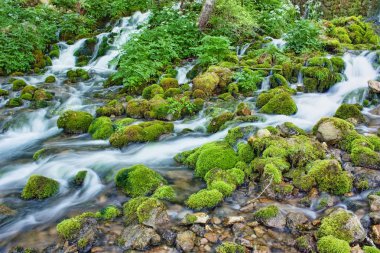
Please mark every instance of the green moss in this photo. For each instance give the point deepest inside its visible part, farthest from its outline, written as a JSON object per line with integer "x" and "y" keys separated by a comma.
{"x": 144, "y": 210}
{"x": 18, "y": 84}
{"x": 206, "y": 82}
{"x": 271, "y": 171}
{"x": 337, "y": 64}
{"x": 334, "y": 225}
{"x": 230, "y": 247}
{"x": 68, "y": 228}
{"x": 50, "y": 79}
{"x": 267, "y": 212}
{"x": 38, "y": 153}
{"x": 330, "y": 244}
{"x": 80, "y": 177}
{"x": 29, "y": 89}
{"x": 3, "y": 93}
{"x": 204, "y": 199}
{"x": 347, "y": 111}
{"x": 362, "y": 185}
{"x": 164, "y": 192}
{"x": 108, "y": 213}
{"x": 223, "y": 187}
{"x": 330, "y": 177}
{"x": 138, "y": 180}
{"x": 39, "y": 187}
{"x": 199, "y": 94}
{"x": 77, "y": 75}
{"x": 143, "y": 132}
{"x": 364, "y": 156}
{"x": 130, "y": 208}
{"x": 369, "y": 249}
{"x": 14, "y": 102}
{"x": 280, "y": 104}
{"x": 152, "y": 90}
{"x": 302, "y": 243}
{"x": 172, "y": 92}
{"x": 42, "y": 95}
{"x": 27, "y": 96}
{"x": 167, "y": 83}
{"x": 83, "y": 242}
{"x": 137, "y": 108}
{"x": 101, "y": 128}
{"x": 375, "y": 141}
{"x": 277, "y": 80}
{"x": 245, "y": 152}
{"x": 114, "y": 108}
{"x": 190, "y": 219}
{"x": 293, "y": 129}
{"x": 218, "y": 121}
{"x": 75, "y": 121}
{"x": 121, "y": 123}
{"x": 54, "y": 53}
{"x": 343, "y": 126}
{"x": 234, "y": 134}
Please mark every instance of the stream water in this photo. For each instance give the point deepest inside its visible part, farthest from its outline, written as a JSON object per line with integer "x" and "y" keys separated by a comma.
{"x": 25, "y": 131}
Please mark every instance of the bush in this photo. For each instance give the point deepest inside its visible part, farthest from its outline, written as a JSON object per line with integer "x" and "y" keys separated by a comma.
{"x": 213, "y": 50}
{"x": 303, "y": 37}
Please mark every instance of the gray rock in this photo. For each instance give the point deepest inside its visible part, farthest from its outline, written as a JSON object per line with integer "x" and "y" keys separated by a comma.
{"x": 374, "y": 203}
{"x": 139, "y": 237}
{"x": 186, "y": 240}
{"x": 296, "y": 221}
{"x": 157, "y": 216}
{"x": 276, "y": 222}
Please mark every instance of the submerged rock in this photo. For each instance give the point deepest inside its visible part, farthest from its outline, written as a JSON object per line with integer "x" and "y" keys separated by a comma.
{"x": 186, "y": 240}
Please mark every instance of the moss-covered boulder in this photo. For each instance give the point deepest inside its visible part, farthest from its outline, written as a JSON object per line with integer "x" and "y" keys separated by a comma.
{"x": 277, "y": 80}
{"x": 14, "y": 102}
{"x": 42, "y": 95}
{"x": 77, "y": 75}
{"x": 138, "y": 180}
{"x": 218, "y": 121}
{"x": 80, "y": 177}
{"x": 3, "y": 93}
{"x": 330, "y": 244}
{"x": 18, "y": 84}
{"x": 277, "y": 101}
{"x": 112, "y": 108}
{"x": 167, "y": 83}
{"x": 75, "y": 122}
{"x": 206, "y": 82}
{"x": 224, "y": 74}
{"x": 365, "y": 157}
{"x": 164, "y": 192}
{"x": 209, "y": 156}
{"x": 50, "y": 79}
{"x": 136, "y": 108}
{"x": 332, "y": 130}
{"x": 143, "y": 132}
{"x": 152, "y": 90}
{"x": 101, "y": 128}
{"x": 204, "y": 199}
{"x": 230, "y": 247}
{"x": 270, "y": 216}
{"x": 350, "y": 112}
{"x": 39, "y": 187}
{"x": 343, "y": 225}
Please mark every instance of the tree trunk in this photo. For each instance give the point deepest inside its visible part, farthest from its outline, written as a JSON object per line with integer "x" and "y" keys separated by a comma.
{"x": 206, "y": 13}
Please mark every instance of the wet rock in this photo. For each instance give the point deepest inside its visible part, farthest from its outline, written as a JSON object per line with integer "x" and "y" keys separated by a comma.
{"x": 211, "y": 237}
{"x": 6, "y": 211}
{"x": 233, "y": 219}
{"x": 139, "y": 237}
{"x": 242, "y": 230}
{"x": 157, "y": 216}
{"x": 369, "y": 175}
{"x": 296, "y": 221}
{"x": 186, "y": 240}
{"x": 263, "y": 133}
{"x": 374, "y": 217}
{"x": 376, "y": 234}
{"x": 374, "y": 86}
{"x": 168, "y": 236}
{"x": 374, "y": 203}
{"x": 162, "y": 249}
{"x": 261, "y": 249}
{"x": 196, "y": 218}
{"x": 216, "y": 220}
{"x": 198, "y": 230}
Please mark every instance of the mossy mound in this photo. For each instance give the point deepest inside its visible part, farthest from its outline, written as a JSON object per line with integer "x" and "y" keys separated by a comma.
{"x": 110, "y": 212}
{"x": 209, "y": 156}
{"x": 152, "y": 90}
{"x": 350, "y": 112}
{"x": 218, "y": 121}
{"x": 138, "y": 180}
{"x": 39, "y": 187}
{"x": 332, "y": 130}
{"x": 142, "y": 209}
{"x": 80, "y": 177}
{"x": 75, "y": 122}
{"x": 14, "y": 102}
{"x": 204, "y": 199}
{"x": 342, "y": 225}
{"x": 69, "y": 228}
{"x": 277, "y": 101}
{"x": 164, "y": 192}
{"x": 18, "y": 84}
{"x": 113, "y": 108}
{"x": 50, "y": 79}
{"x": 77, "y": 75}
{"x": 206, "y": 82}
{"x": 267, "y": 212}
{"x": 143, "y": 132}
{"x": 230, "y": 247}
{"x": 101, "y": 128}
{"x": 277, "y": 80}
{"x": 330, "y": 244}
{"x": 3, "y": 93}
{"x": 137, "y": 108}
{"x": 167, "y": 83}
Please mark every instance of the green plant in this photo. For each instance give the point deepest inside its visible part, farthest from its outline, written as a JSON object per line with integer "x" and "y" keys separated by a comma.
{"x": 303, "y": 37}
{"x": 213, "y": 50}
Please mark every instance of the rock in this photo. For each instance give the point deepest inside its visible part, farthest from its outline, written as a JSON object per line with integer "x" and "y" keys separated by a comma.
{"x": 332, "y": 130}
{"x": 295, "y": 221}
{"x": 241, "y": 230}
{"x": 374, "y": 86}
{"x": 374, "y": 217}
{"x": 263, "y": 133}
{"x": 216, "y": 220}
{"x": 211, "y": 237}
{"x": 198, "y": 230}
{"x": 376, "y": 234}
{"x": 168, "y": 236}
{"x": 196, "y": 218}
{"x": 374, "y": 203}
{"x": 233, "y": 219}
{"x": 204, "y": 241}
{"x": 6, "y": 211}
{"x": 139, "y": 237}
{"x": 375, "y": 111}
{"x": 157, "y": 216}
{"x": 186, "y": 240}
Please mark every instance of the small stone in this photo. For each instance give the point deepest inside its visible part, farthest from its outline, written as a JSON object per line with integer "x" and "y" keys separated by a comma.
{"x": 259, "y": 231}
{"x": 212, "y": 237}
{"x": 207, "y": 248}
{"x": 139, "y": 237}
{"x": 374, "y": 203}
{"x": 204, "y": 241}
{"x": 186, "y": 240}
{"x": 356, "y": 249}
{"x": 233, "y": 219}
{"x": 295, "y": 221}
{"x": 216, "y": 220}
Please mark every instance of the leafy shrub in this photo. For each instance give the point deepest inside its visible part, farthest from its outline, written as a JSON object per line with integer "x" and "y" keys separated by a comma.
{"x": 213, "y": 50}
{"x": 303, "y": 37}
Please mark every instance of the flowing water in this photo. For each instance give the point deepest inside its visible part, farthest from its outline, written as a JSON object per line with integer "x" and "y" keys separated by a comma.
{"x": 26, "y": 131}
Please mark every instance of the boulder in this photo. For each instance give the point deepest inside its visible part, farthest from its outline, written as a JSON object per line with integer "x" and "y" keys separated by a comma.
{"x": 186, "y": 240}
{"x": 332, "y": 130}
{"x": 139, "y": 237}
{"x": 295, "y": 221}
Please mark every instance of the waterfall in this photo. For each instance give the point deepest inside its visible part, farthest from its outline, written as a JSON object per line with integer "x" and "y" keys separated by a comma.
{"x": 67, "y": 58}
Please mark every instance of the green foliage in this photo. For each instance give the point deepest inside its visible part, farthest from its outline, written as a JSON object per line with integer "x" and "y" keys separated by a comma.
{"x": 330, "y": 244}
{"x": 171, "y": 35}
{"x": 39, "y": 187}
{"x": 213, "y": 50}
{"x": 138, "y": 180}
{"x": 180, "y": 106}
{"x": 369, "y": 249}
{"x": 303, "y": 37}
{"x": 248, "y": 80}
{"x": 204, "y": 199}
